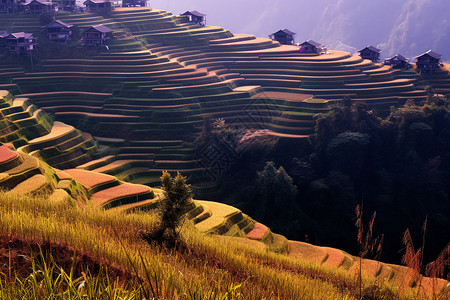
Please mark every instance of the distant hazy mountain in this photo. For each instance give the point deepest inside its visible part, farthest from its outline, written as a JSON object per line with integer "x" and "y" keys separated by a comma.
{"x": 409, "y": 27}
{"x": 396, "y": 26}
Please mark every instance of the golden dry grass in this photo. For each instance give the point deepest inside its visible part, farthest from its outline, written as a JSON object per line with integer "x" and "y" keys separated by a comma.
{"x": 223, "y": 261}
{"x": 60, "y": 196}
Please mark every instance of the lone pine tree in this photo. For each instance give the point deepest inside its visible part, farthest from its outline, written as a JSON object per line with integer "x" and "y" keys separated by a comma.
{"x": 177, "y": 195}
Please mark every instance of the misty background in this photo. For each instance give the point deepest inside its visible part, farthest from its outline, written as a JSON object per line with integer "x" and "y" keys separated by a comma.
{"x": 408, "y": 27}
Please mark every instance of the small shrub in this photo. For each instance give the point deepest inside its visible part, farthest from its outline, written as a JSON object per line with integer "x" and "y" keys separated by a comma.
{"x": 177, "y": 195}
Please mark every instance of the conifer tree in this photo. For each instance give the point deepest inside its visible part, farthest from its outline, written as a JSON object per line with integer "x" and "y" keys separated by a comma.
{"x": 177, "y": 195}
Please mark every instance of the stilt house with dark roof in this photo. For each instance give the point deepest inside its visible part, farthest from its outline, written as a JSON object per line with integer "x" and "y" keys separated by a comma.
{"x": 98, "y": 5}
{"x": 428, "y": 62}
{"x": 370, "y": 52}
{"x": 310, "y": 46}
{"x": 283, "y": 36}
{"x": 39, "y": 7}
{"x": 195, "y": 17}
{"x": 58, "y": 31}
{"x": 21, "y": 43}
{"x": 398, "y": 62}
{"x": 97, "y": 35}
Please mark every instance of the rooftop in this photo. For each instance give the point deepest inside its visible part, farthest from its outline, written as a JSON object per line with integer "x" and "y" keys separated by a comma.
{"x": 311, "y": 42}
{"x": 4, "y": 34}
{"x": 57, "y": 23}
{"x": 194, "y": 13}
{"x": 371, "y": 48}
{"x": 39, "y": 1}
{"x": 19, "y": 35}
{"x": 101, "y": 28}
{"x": 399, "y": 57}
{"x": 431, "y": 53}
{"x": 286, "y": 31}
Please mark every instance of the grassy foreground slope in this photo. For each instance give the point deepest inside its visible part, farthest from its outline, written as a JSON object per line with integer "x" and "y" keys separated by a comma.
{"x": 27, "y": 175}
{"x": 63, "y": 210}
{"x": 145, "y": 100}
{"x": 204, "y": 266}
{"x": 62, "y": 146}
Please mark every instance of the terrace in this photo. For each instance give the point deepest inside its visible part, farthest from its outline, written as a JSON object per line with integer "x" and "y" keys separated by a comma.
{"x": 162, "y": 76}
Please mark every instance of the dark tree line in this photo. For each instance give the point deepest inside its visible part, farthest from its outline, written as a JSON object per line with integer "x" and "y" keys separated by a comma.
{"x": 398, "y": 166}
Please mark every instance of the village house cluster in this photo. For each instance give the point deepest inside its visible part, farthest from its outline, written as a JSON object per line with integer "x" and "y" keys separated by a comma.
{"x": 49, "y": 6}
{"x": 56, "y": 32}
{"x": 60, "y": 32}
{"x": 425, "y": 63}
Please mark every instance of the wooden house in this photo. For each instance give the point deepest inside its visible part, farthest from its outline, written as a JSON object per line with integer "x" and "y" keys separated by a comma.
{"x": 97, "y": 35}
{"x": 283, "y": 36}
{"x": 371, "y": 53}
{"x": 58, "y": 31}
{"x": 428, "y": 62}
{"x": 98, "y": 5}
{"x": 398, "y": 62}
{"x": 310, "y": 46}
{"x": 21, "y": 43}
{"x": 39, "y": 7}
{"x": 195, "y": 17}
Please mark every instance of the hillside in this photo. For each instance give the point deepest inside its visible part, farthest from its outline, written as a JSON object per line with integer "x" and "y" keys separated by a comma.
{"x": 42, "y": 203}
{"x": 86, "y": 134}
{"x": 23, "y": 172}
{"x": 147, "y": 96}
{"x": 54, "y": 241}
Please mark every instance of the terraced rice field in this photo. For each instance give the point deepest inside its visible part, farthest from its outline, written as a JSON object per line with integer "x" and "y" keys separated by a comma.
{"x": 32, "y": 177}
{"x": 90, "y": 179}
{"x": 393, "y": 275}
{"x": 145, "y": 99}
{"x": 24, "y": 174}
